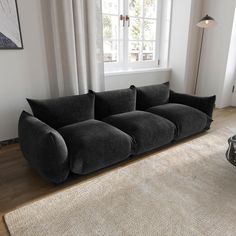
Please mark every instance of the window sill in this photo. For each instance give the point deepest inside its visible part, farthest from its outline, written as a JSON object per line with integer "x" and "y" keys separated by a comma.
{"x": 137, "y": 71}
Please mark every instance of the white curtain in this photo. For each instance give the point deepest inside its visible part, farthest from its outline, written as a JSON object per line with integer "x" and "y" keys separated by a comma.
{"x": 78, "y": 45}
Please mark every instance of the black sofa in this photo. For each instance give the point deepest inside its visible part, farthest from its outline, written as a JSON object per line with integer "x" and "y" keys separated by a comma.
{"x": 84, "y": 133}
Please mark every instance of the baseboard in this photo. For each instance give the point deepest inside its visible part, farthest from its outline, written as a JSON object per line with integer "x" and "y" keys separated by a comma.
{"x": 8, "y": 142}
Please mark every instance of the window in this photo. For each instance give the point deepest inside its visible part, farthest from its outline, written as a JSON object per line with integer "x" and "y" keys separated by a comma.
{"x": 135, "y": 33}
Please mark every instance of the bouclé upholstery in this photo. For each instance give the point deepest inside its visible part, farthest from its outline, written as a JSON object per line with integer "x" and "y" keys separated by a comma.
{"x": 114, "y": 102}
{"x": 63, "y": 111}
{"x": 183, "y": 117}
{"x": 147, "y": 130}
{"x": 44, "y": 148}
{"x": 204, "y": 104}
{"x": 153, "y": 95}
{"x": 93, "y": 145}
{"x": 84, "y": 133}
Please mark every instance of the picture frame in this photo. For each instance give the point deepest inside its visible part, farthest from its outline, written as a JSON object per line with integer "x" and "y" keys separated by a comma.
{"x": 10, "y": 28}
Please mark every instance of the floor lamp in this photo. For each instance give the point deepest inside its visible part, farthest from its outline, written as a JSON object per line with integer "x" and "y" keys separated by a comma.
{"x": 204, "y": 23}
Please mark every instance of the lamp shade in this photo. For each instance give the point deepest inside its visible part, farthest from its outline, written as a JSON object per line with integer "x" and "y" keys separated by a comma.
{"x": 206, "y": 22}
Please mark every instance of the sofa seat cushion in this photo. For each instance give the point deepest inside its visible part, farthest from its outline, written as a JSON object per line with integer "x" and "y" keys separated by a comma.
{"x": 188, "y": 120}
{"x": 147, "y": 130}
{"x": 93, "y": 145}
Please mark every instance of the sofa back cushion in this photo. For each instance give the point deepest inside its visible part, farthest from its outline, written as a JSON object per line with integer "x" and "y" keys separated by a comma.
{"x": 63, "y": 111}
{"x": 114, "y": 102}
{"x": 153, "y": 95}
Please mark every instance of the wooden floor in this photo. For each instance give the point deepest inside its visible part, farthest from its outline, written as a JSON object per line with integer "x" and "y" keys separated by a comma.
{"x": 19, "y": 184}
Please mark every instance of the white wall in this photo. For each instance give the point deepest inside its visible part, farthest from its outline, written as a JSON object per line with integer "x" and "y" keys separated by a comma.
{"x": 218, "y": 68}
{"x": 184, "y": 44}
{"x": 125, "y": 79}
{"x": 193, "y": 50}
{"x": 216, "y": 49}
{"x": 230, "y": 74}
{"x": 23, "y": 72}
{"x": 181, "y": 12}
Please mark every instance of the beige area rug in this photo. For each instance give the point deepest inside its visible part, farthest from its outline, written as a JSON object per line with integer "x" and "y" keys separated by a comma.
{"x": 186, "y": 190}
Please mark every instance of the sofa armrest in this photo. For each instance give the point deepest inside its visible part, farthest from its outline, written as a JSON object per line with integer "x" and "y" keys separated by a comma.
{"x": 204, "y": 104}
{"x": 44, "y": 148}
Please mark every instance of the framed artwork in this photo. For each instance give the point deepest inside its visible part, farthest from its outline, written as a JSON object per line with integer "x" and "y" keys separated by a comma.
{"x": 10, "y": 31}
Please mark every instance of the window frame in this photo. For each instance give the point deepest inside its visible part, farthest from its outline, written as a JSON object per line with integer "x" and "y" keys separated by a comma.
{"x": 123, "y": 63}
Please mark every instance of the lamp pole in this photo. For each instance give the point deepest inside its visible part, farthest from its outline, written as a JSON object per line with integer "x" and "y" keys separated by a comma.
{"x": 199, "y": 61}
{"x": 205, "y": 22}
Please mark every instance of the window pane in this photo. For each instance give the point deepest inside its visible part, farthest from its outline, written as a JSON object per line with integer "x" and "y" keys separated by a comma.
{"x": 134, "y": 51}
{"x": 135, "y": 8}
{"x": 135, "y": 29}
{"x": 110, "y": 6}
{"x": 149, "y": 29}
{"x": 110, "y": 27}
{"x": 148, "y": 51}
{"x": 150, "y": 8}
{"x": 110, "y": 51}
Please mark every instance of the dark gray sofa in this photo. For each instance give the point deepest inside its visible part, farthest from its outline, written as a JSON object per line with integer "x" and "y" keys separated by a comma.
{"x": 84, "y": 133}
